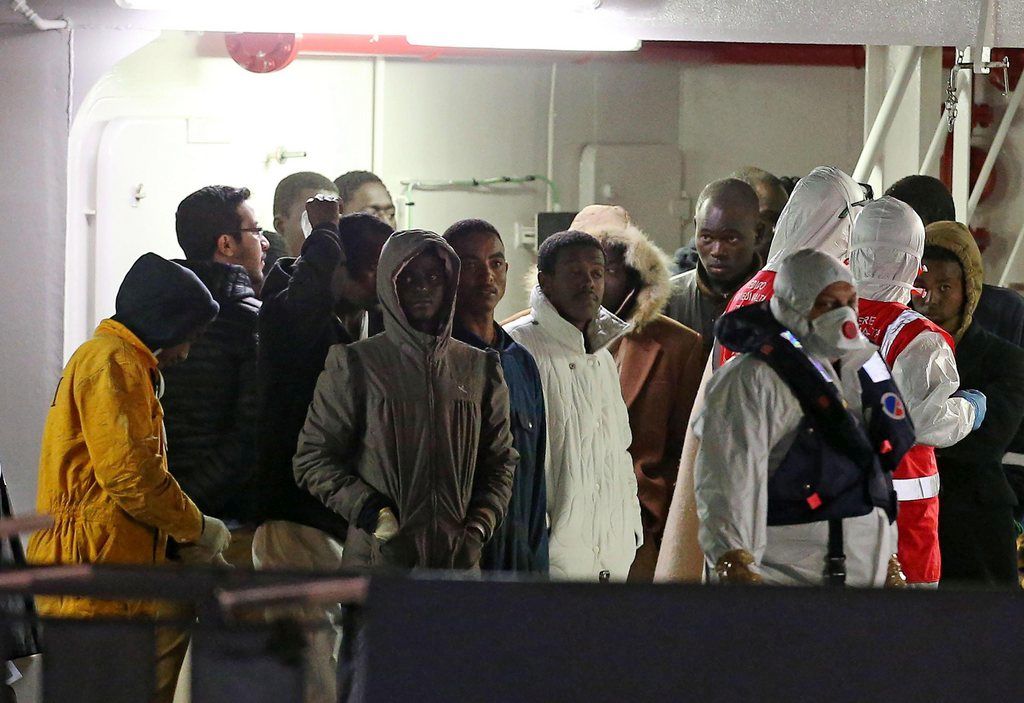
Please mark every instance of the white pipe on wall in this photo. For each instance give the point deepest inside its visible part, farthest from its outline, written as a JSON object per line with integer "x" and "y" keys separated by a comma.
{"x": 377, "y": 118}
{"x": 886, "y": 113}
{"x": 993, "y": 152}
{"x": 43, "y": 25}
{"x": 551, "y": 136}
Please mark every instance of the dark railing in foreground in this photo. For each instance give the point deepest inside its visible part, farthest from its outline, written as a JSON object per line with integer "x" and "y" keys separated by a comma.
{"x": 432, "y": 638}
{"x": 236, "y": 653}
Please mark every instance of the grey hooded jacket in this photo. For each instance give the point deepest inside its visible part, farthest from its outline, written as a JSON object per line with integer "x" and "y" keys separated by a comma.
{"x": 411, "y": 421}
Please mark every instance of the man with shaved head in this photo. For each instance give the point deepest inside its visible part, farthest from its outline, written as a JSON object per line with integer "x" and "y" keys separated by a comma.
{"x": 290, "y": 198}
{"x": 728, "y": 230}
{"x": 771, "y": 196}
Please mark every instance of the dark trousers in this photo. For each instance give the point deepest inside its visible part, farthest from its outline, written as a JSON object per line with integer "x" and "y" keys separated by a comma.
{"x": 979, "y": 545}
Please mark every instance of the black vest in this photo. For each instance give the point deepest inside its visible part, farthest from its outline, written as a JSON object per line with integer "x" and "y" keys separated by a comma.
{"x": 840, "y": 464}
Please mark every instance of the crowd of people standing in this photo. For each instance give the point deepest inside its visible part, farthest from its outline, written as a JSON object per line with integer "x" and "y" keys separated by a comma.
{"x": 337, "y": 394}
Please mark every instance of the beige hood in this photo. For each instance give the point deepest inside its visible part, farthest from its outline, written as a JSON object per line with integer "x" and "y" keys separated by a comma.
{"x": 610, "y": 224}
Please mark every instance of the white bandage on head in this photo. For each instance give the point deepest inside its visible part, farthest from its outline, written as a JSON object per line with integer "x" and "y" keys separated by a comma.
{"x": 799, "y": 281}
{"x": 885, "y": 250}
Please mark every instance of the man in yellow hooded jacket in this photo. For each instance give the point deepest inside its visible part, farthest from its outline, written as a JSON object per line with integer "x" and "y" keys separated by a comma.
{"x": 103, "y": 468}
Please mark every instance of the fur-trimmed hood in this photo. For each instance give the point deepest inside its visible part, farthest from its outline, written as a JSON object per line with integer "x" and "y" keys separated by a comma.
{"x": 610, "y": 224}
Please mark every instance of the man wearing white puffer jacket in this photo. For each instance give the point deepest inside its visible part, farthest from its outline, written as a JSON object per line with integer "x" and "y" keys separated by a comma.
{"x": 593, "y": 508}
{"x": 885, "y": 259}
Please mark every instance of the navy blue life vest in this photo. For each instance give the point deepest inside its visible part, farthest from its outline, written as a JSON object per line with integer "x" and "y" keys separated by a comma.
{"x": 840, "y": 465}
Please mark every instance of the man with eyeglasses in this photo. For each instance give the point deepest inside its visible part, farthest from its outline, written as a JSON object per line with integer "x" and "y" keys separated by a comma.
{"x": 363, "y": 191}
{"x": 211, "y": 398}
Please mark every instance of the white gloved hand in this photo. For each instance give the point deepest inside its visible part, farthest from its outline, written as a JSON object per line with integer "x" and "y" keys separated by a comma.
{"x": 387, "y": 525}
{"x": 215, "y": 537}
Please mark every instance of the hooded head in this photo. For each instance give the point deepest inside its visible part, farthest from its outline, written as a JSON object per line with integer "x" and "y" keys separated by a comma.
{"x": 953, "y": 243}
{"x": 398, "y": 253}
{"x": 643, "y": 287}
{"x": 885, "y": 250}
{"x": 162, "y": 303}
{"x": 816, "y": 301}
{"x": 819, "y": 215}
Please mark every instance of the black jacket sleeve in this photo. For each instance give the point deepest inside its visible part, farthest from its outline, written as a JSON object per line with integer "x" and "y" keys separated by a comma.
{"x": 1004, "y": 391}
{"x": 972, "y": 468}
{"x": 308, "y": 304}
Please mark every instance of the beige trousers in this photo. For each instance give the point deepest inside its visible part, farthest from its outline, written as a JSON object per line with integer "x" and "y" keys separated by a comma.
{"x": 289, "y": 546}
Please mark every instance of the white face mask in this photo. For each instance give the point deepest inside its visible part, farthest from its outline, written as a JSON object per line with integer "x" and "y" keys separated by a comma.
{"x": 307, "y": 228}
{"x": 835, "y": 334}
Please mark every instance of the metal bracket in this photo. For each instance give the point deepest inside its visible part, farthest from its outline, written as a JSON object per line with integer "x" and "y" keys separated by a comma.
{"x": 138, "y": 194}
{"x": 963, "y": 63}
{"x": 280, "y": 155}
{"x": 985, "y": 36}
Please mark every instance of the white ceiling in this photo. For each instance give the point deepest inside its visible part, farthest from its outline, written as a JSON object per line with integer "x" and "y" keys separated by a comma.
{"x": 923, "y": 22}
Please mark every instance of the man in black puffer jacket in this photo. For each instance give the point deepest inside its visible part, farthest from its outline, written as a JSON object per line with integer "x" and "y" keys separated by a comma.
{"x": 211, "y": 402}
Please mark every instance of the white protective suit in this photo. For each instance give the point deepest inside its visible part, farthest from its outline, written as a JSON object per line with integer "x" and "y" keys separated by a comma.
{"x": 748, "y": 425}
{"x": 885, "y": 258}
{"x": 593, "y": 507}
{"x": 819, "y": 215}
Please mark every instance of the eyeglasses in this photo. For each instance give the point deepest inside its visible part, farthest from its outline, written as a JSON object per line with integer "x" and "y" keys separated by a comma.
{"x": 859, "y": 203}
{"x": 869, "y": 195}
{"x": 251, "y": 230}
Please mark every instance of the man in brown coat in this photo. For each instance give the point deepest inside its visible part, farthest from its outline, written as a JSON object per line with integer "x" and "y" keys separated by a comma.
{"x": 660, "y": 365}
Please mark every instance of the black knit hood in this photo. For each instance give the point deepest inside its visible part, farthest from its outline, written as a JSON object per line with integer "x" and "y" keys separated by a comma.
{"x": 162, "y": 303}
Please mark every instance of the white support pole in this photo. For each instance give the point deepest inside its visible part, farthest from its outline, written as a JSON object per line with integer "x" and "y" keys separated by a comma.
{"x": 886, "y": 113}
{"x": 879, "y": 62}
{"x": 1011, "y": 258}
{"x": 931, "y": 158}
{"x": 993, "y": 152}
{"x": 962, "y": 144}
